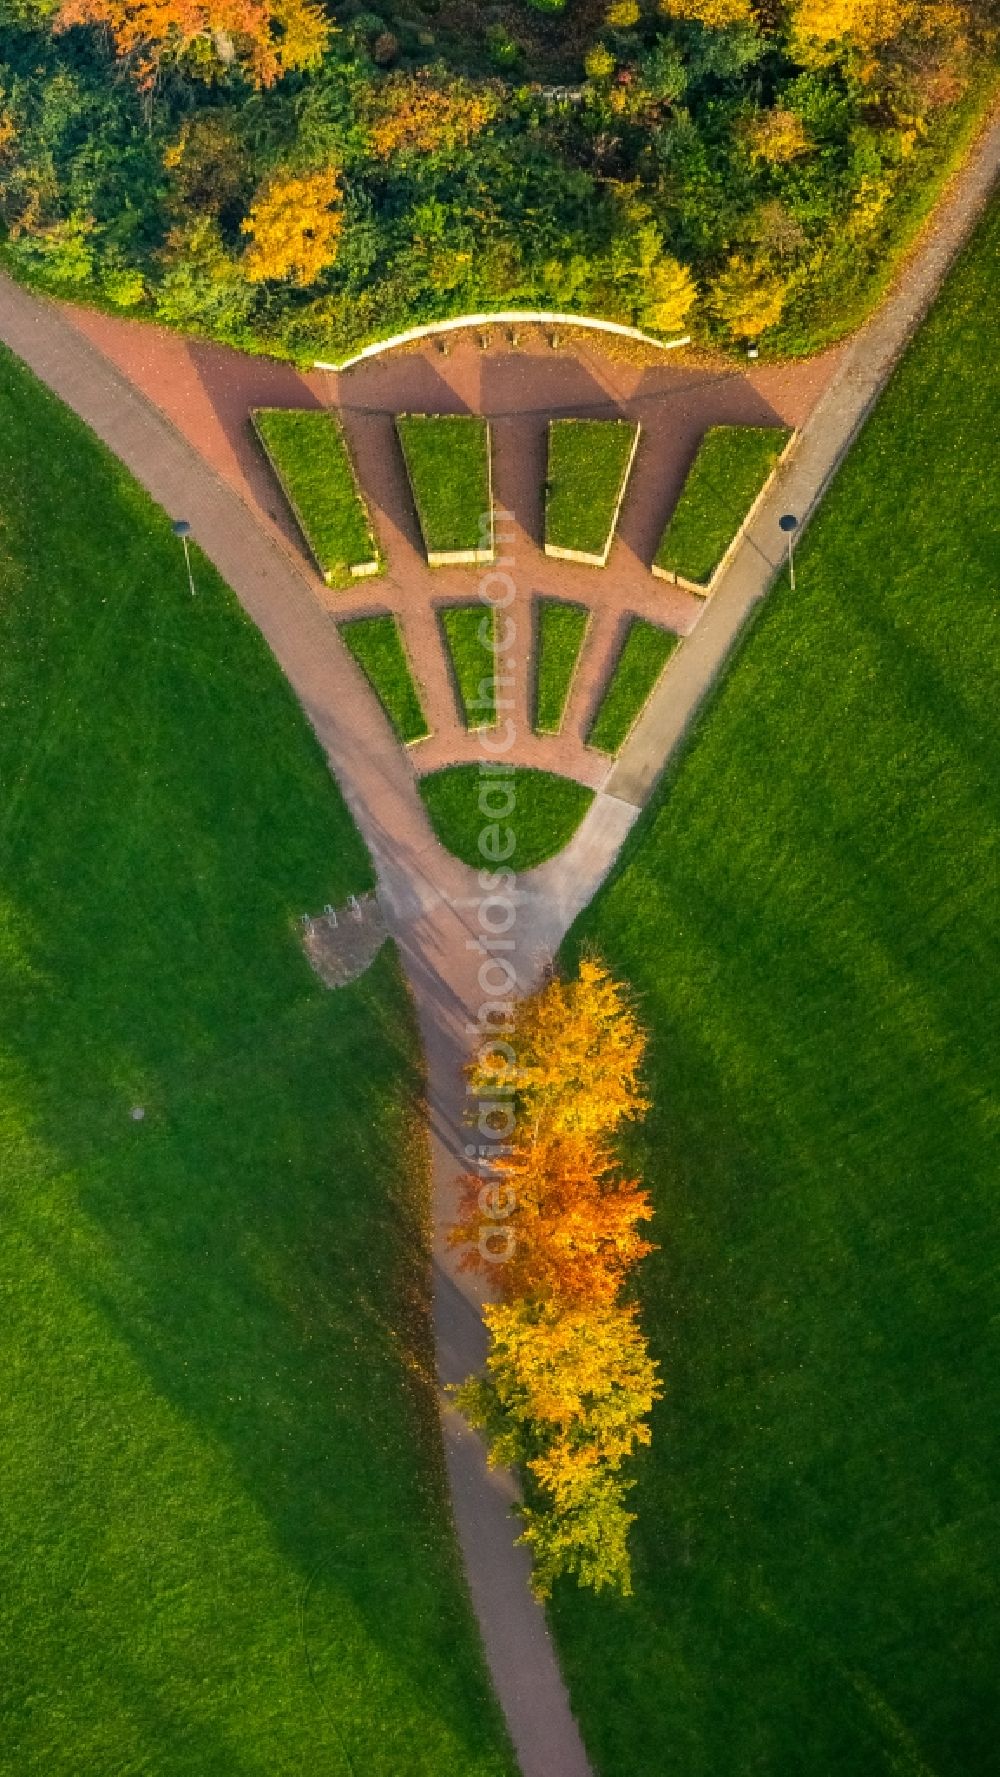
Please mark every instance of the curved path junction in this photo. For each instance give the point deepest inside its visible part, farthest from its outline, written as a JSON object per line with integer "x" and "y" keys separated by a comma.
{"x": 430, "y": 900}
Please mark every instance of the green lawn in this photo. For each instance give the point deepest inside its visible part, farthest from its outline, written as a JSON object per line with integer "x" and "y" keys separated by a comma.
{"x": 309, "y": 454}
{"x": 448, "y": 462}
{"x": 644, "y": 654}
{"x": 470, "y": 633}
{"x": 731, "y": 467}
{"x": 588, "y": 463}
{"x": 559, "y": 637}
{"x": 810, "y": 915}
{"x": 545, "y": 811}
{"x": 377, "y": 646}
{"x": 226, "y": 1548}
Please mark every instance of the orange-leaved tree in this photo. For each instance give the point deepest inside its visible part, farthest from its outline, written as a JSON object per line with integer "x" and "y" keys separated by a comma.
{"x": 573, "y": 1057}
{"x": 571, "y": 1221}
{"x": 263, "y": 38}
{"x": 566, "y": 1396}
{"x": 295, "y": 224}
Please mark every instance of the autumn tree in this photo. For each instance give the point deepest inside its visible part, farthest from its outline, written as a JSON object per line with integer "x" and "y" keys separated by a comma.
{"x": 566, "y": 1396}
{"x": 573, "y": 1057}
{"x": 569, "y": 1381}
{"x": 777, "y": 136}
{"x": 294, "y": 226}
{"x": 414, "y": 114}
{"x": 572, "y": 1220}
{"x": 263, "y": 38}
{"x": 748, "y": 298}
{"x": 717, "y": 14}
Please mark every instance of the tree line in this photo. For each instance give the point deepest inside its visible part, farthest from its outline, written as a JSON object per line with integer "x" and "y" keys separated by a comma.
{"x": 556, "y": 1223}
{"x": 266, "y": 172}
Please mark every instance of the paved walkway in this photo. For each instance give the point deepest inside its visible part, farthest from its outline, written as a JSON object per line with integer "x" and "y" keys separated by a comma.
{"x": 431, "y": 901}
{"x": 208, "y": 392}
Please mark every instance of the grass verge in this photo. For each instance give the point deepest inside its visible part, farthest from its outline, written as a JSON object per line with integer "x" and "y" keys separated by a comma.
{"x": 470, "y": 634}
{"x": 588, "y": 466}
{"x": 730, "y": 468}
{"x": 227, "y": 1546}
{"x": 448, "y": 463}
{"x": 308, "y": 453}
{"x": 809, "y": 917}
{"x": 558, "y": 641}
{"x": 536, "y": 813}
{"x": 377, "y": 645}
{"x": 645, "y": 652}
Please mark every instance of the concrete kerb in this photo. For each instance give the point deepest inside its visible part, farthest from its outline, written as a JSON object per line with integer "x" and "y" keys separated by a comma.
{"x": 501, "y": 318}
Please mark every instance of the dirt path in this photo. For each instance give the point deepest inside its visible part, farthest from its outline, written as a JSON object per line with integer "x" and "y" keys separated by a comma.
{"x": 431, "y": 902}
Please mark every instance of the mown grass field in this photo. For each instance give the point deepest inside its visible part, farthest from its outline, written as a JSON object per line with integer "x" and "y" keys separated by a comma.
{"x": 309, "y": 455}
{"x": 545, "y": 813}
{"x": 376, "y": 643}
{"x": 810, "y": 919}
{"x": 226, "y": 1549}
{"x": 728, "y": 472}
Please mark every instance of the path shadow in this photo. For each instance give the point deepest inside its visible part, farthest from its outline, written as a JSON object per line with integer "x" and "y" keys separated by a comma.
{"x": 675, "y": 415}
{"x": 234, "y": 385}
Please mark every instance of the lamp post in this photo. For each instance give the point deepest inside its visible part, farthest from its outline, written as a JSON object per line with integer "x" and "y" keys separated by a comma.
{"x": 182, "y": 529}
{"x": 789, "y": 524}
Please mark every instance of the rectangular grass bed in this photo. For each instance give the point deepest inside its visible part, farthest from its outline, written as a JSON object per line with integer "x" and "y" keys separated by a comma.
{"x": 473, "y": 660}
{"x": 447, "y": 460}
{"x": 731, "y": 467}
{"x": 561, "y": 629}
{"x": 640, "y": 663}
{"x": 377, "y": 646}
{"x": 588, "y": 469}
{"x": 308, "y": 452}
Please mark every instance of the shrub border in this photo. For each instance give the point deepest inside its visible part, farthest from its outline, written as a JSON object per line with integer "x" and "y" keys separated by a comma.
{"x": 582, "y": 556}
{"x": 364, "y": 570}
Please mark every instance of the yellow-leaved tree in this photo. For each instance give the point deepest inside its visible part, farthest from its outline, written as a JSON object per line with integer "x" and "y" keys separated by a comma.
{"x": 716, "y": 13}
{"x": 414, "y": 114}
{"x": 566, "y": 1396}
{"x": 294, "y": 226}
{"x": 748, "y": 298}
{"x": 577, "y": 1057}
{"x": 571, "y": 1220}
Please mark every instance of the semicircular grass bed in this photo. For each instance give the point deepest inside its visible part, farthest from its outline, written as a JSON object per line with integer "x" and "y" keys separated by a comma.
{"x": 543, "y": 812}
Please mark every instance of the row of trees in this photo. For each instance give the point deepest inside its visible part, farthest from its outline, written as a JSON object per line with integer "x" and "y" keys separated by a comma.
{"x": 248, "y": 168}
{"x": 569, "y": 1382}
